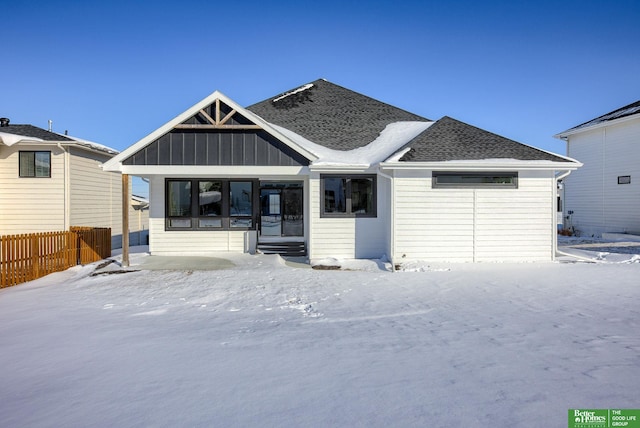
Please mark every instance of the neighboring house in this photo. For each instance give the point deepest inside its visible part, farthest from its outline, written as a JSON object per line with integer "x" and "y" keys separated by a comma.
{"x": 346, "y": 176}
{"x": 604, "y": 195}
{"x": 49, "y": 182}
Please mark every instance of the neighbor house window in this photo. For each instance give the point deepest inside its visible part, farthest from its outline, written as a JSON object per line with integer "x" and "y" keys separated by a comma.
{"x": 624, "y": 179}
{"x": 348, "y": 195}
{"x": 475, "y": 179}
{"x": 35, "y": 164}
{"x": 209, "y": 204}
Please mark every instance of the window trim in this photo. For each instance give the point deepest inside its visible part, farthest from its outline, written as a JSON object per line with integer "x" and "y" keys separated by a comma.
{"x": 439, "y": 185}
{"x": 35, "y": 174}
{"x": 348, "y": 213}
{"x": 225, "y": 217}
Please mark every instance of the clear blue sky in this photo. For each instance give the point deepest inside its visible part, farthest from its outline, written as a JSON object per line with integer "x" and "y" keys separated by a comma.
{"x": 113, "y": 71}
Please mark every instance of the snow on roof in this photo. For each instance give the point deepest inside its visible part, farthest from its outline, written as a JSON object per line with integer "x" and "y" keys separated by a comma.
{"x": 295, "y": 91}
{"x": 392, "y": 138}
{"x": 92, "y": 145}
{"x": 11, "y": 139}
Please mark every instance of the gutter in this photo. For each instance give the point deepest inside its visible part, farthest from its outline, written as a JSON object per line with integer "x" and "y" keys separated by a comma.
{"x": 67, "y": 187}
{"x": 392, "y": 238}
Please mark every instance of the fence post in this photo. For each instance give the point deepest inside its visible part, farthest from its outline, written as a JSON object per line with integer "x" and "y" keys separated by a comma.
{"x": 35, "y": 252}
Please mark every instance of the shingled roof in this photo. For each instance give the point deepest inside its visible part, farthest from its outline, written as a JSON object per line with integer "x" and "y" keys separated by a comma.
{"x": 34, "y": 132}
{"x": 330, "y": 115}
{"x": 449, "y": 139}
{"x": 628, "y": 110}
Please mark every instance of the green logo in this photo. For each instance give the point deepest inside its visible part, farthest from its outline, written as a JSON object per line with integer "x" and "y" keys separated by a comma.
{"x": 604, "y": 418}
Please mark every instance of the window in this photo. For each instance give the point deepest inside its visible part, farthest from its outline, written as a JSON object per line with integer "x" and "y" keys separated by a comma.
{"x": 209, "y": 204}
{"x": 624, "y": 179}
{"x": 35, "y": 164}
{"x": 348, "y": 196}
{"x": 475, "y": 179}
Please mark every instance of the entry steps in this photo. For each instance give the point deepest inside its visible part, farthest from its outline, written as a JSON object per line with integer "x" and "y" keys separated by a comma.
{"x": 284, "y": 248}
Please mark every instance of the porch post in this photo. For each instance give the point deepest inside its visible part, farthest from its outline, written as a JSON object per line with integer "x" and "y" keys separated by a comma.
{"x": 125, "y": 220}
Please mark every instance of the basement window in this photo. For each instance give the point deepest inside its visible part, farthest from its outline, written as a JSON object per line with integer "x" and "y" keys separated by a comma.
{"x": 475, "y": 179}
{"x": 35, "y": 164}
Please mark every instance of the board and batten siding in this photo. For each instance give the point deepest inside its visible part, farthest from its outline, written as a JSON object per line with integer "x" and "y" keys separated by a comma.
{"x": 95, "y": 195}
{"x": 474, "y": 225}
{"x": 192, "y": 242}
{"x": 349, "y": 238}
{"x": 598, "y": 202}
{"x": 31, "y": 204}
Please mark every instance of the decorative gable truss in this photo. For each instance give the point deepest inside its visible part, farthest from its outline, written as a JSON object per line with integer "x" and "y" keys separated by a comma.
{"x": 214, "y": 132}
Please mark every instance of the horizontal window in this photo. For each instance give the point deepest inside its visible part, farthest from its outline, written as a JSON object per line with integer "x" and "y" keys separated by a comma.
{"x": 210, "y": 204}
{"x": 35, "y": 164}
{"x": 348, "y": 196}
{"x": 475, "y": 179}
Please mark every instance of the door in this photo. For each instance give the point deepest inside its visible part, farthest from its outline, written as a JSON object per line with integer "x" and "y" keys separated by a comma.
{"x": 270, "y": 212}
{"x": 292, "y": 219}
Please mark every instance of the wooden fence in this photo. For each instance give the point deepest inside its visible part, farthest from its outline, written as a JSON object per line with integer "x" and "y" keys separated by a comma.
{"x": 27, "y": 257}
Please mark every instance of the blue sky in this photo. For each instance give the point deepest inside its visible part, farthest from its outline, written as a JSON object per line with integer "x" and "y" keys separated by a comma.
{"x": 112, "y": 72}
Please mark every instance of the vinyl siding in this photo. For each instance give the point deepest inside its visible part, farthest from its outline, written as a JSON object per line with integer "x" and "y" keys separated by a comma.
{"x": 466, "y": 225}
{"x": 30, "y": 205}
{"x": 598, "y": 202}
{"x": 349, "y": 237}
{"x": 162, "y": 242}
{"x": 96, "y": 195}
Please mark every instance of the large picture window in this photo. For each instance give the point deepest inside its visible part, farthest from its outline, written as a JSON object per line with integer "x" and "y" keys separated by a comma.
{"x": 348, "y": 195}
{"x": 35, "y": 164}
{"x": 210, "y": 204}
{"x": 475, "y": 179}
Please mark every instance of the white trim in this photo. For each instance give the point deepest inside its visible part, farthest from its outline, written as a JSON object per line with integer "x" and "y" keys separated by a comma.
{"x": 217, "y": 170}
{"x": 486, "y": 165}
{"x": 577, "y": 130}
{"x": 115, "y": 164}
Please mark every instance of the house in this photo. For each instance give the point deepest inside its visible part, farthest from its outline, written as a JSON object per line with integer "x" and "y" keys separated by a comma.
{"x": 342, "y": 175}
{"x": 604, "y": 195}
{"x": 49, "y": 182}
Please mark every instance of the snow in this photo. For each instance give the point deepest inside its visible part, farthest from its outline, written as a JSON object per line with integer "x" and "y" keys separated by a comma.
{"x": 295, "y": 91}
{"x": 93, "y": 145}
{"x": 391, "y": 139}
{"x": 10, "y": 139}
{"x": 264, "y": 344}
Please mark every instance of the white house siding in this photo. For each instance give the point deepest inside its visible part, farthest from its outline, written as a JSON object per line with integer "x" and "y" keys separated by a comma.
{"x": 349, "y": 237}
{"x": 598, "y": 202}
{"x": 95, "y": 195}
{"x": 467, "y": 225}
{"x": 30, "y": 205}
{"x": 170, "y": 243}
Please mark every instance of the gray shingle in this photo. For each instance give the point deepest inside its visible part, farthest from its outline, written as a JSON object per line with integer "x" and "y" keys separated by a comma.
{"x": 33, "y": 131}
{"x": 628, "y": 110}
{"x": 331, "y": 115}
{"x": 449, "y": 139}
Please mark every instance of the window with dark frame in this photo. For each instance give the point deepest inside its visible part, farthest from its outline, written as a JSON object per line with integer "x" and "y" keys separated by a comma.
{"x": 475, "y": 179}
{"x": 209, "y": 204}
{"x": 348, "y": 195}
{"x": 624, "y": 179}
{"x": 35, "y": 164}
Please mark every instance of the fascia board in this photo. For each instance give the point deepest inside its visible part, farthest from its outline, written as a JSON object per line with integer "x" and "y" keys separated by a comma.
{"x": 564, "y": 134}
{"x": 489, "y": 166}
{"x": 115, "y": 163}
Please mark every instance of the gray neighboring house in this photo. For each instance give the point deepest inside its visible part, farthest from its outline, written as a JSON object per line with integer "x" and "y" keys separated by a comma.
{"x": 604, "y": 195}
{"x": 326, "y": 172}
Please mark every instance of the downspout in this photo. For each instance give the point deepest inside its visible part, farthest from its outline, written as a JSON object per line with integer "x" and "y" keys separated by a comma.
{"x": 555, "y": 198}
{"x": 392, "y": 239}
{"x": 67, "y": 187}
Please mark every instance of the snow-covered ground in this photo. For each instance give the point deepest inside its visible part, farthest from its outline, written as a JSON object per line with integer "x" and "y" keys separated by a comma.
{"x": 265, "y": 344}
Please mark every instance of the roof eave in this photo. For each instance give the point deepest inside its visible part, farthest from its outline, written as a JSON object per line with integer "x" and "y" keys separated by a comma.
{"x": 579, "y": 129}
{"x": 507, "y": 165}
{"x": 115, "y": 164}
